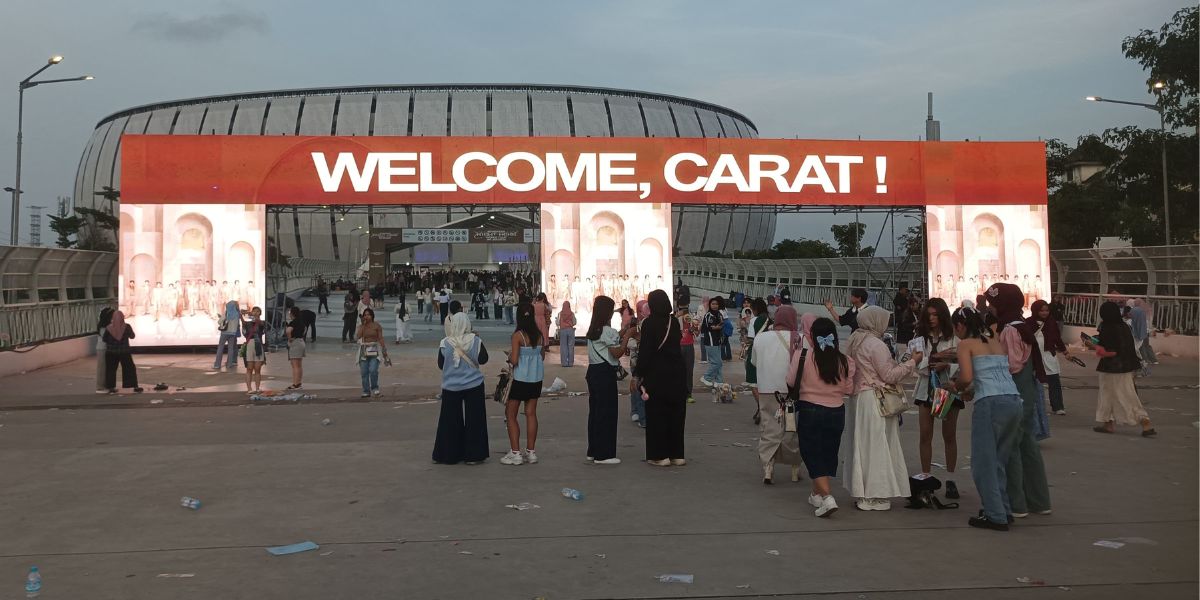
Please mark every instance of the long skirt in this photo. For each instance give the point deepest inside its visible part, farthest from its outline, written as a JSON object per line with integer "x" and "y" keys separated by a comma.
{"x": 873, "y": 459}
{"x": 665, "y": 418}
{"x": 1119, "y": 400}
{"x": 774, "y": 444}
{"x": 462, "y": 427}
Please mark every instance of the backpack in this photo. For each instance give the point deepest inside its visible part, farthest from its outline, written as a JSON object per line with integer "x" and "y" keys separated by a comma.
{"x": 727, "y": 328}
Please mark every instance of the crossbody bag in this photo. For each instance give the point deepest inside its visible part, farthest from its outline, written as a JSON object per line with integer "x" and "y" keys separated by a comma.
{"x": 787, "y": 402}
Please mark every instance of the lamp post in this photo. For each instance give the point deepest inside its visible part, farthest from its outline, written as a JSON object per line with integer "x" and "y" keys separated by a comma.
{"x": 21, "y": 87}
{"x": 1162, "y": 125}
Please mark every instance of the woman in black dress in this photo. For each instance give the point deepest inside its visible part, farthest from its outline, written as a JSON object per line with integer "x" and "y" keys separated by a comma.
{"x": 664, "y": 385}
{"x": 116, "y": 340}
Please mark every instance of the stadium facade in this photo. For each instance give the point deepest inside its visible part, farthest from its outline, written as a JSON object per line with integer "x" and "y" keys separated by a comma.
{"x": 431, "y": 110}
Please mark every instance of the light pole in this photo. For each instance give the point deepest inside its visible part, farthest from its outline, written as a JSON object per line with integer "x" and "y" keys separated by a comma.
{"x": 21, "y": 87}
{"x": 1162, "y": 125}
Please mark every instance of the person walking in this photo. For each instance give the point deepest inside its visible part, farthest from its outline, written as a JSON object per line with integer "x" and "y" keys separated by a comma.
{"x": 527, "y": 359}
{"x": 251, "y": 351}
{"x": 497, "y": 302}
{"x": 542, "y": 314}
{"x": 687, "y": 346}
{"x": 824, "y": 379}
{"x": 510, "y": 306}
{"x": 1028, "y": 490}
{"x": 462, "y": 423}
{"x": 874, "y": 471}
{"x": 322, "y": 296}
{"x": 939, "y": 344}
{"x": 372, "y": 348}
{"x": 566, "y": 335}
{"x": 995, "y": 418}
{"x": 442, "y": 302}
{"x": 771, "y": 355}
{"x": 295, "y": 346}
{"x": 229, "y": 327}
{"x": 403, "y": 335}
{"x": 106, "y": 315}
{"x": 1050, "y": 344}
{"x": 349, "y": 317}
{"x": 116, "y": 352}
{"x": 1119, "y": 362}
{"x": 605, "y": 349}
{"x": 712, "y": 333}
{"x": 756, "y": 322}
{"x": 660, "y": 368}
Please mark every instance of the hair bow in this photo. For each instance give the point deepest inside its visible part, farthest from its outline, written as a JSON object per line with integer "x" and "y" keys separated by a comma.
{"x": 825, "y": 341}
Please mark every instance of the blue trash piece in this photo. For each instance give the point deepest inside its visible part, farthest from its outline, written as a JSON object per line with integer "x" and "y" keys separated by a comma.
{"x": 292, "y": 548}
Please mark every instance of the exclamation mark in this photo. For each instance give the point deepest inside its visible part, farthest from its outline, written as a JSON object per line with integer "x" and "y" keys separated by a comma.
{"x": 881, "y": 174}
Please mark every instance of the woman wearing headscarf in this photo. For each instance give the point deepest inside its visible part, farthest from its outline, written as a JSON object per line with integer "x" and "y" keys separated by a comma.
{"x": 1050, "y": 345}
{"x": 462, "y": 425}
{"x": 116, "y": 352}
{"x": 771, "y": 355}
{"x": 228, "y": 340}
{"x": 541, "y": 314}
{"x": 605, "y": 349}
{"x": 106, "y": 315}
{"x": 874, "y": 469}
{"x": 566, "y": 335}
{"x": 1028, "y": 490}
{"x": 662, "y": 374}
{"x": 1119, "y": 402}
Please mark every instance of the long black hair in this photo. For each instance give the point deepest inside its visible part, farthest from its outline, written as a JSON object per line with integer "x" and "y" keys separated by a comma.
{"x": 831, "y": 363}
{"x": 974, "y": 322}
{"x": 106, "y": 315}
{"x": 527, "y": 324}
{"x": 758, "y": 306}
{"x": 602, "y": 313}
{"x": 945, "y": 329}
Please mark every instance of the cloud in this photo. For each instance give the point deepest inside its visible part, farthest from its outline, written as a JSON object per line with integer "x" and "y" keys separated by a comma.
{"x": 200, "y": 29}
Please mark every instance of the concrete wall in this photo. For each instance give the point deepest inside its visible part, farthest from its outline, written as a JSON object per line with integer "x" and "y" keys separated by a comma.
{"x": 46, "y": 355}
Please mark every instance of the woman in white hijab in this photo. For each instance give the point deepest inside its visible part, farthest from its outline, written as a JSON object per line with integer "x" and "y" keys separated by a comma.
{"x": 462, "y": 426}
{"x": 874, "y": 469}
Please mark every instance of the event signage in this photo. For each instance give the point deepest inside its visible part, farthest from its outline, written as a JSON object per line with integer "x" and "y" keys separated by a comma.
{"x": 433, "y": 235}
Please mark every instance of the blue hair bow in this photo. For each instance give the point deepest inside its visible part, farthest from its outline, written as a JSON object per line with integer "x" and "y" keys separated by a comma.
{"x": 825, "y": 341}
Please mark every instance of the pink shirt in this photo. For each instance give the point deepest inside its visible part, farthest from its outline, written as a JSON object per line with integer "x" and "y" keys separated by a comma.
{"x": 1017, "y": 349}
{"x": 815, "y": 390}
{"x": 876, "y": 367}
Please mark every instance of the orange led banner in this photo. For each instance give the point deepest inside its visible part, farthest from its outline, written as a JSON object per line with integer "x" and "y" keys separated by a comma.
{"x": 175, "y": 169}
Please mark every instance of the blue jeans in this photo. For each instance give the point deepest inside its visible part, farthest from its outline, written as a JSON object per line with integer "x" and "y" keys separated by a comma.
{"x": 995, "y": 427}
{"x": 508, "y": 314}
{"x": 1043, "y": 423}
{"x": 566, "y": 346}
{"x": 713, "y": 372}
{"x": 637, "y": 406}
{"x": 368, "y": 369}
{"x": 228, "y": 341}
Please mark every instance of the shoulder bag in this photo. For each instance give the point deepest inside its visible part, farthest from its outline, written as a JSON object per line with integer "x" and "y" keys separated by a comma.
{"x": 892, "y": 400}
{"x": 787, "y": 402}
{"x": 620, "y": 370}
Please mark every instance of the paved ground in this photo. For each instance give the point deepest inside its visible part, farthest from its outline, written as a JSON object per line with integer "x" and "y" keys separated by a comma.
{"x": 91, "y": 497}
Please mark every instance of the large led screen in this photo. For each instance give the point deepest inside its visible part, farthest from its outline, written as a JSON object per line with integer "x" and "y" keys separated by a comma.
{"x": 619, "y": 250}
{"x": 180, "y": 265}
{"x": 973, "y": 246}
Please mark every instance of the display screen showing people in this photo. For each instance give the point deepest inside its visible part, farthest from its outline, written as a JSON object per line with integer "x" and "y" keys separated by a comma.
{"x": 180, "y": 266}
{"x": 971, "y": 247}
{"x": 619, "y": 250}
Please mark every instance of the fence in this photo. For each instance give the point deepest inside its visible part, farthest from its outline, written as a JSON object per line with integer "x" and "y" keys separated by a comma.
{"x": 49, "y": 294}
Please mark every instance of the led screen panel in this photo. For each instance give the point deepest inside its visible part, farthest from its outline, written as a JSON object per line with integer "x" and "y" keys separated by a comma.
{"x": 181, "y": 264}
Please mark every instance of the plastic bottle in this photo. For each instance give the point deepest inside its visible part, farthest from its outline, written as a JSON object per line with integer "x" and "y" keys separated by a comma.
{"x": 572, "y": 494}
{"x": 33, "y": 583}
{"x": 190, "y": 503}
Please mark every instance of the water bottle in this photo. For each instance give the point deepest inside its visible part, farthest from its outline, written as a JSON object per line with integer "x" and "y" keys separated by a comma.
{"x": 189, "y": 503}
{"x": 572, "y": 494}
{"x": 33, "y": 583}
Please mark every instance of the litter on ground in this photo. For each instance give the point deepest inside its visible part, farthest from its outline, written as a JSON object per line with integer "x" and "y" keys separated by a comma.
{"x": 292, "y": 548}
{"x": 676, "y": 578}
{"x": 522, "y": 506}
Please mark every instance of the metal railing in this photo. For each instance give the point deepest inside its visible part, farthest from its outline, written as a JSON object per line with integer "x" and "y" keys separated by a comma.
{"x": 810, "y": 281}
{"x": 51, "y": 294}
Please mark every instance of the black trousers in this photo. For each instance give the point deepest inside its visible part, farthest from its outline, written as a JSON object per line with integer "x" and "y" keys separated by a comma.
{"x": 665, "y": 418}
{"x": 128, "y": 370}
{"x": 602, "y": 411}
{"x": 444, "y": 309}
{"x": 496, "y": 308}
{"x": 349, "y": 320}
{"x": 420, "y": 306}
{"x": 312, "y": 329}
{"x": 462, "y": 427}
{"x": 324, "y": 304}
{"x": 480, "y": 312}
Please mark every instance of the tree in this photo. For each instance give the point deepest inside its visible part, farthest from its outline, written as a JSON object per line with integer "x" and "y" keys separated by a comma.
{"x": 1170, "y": 55}
{"x": 66, "y": 226}
{"x": 913, "y": 240}
{"x": 803, "y": 248}
{"x": 848, "y": 238}
{"x": 1137, "y": 174}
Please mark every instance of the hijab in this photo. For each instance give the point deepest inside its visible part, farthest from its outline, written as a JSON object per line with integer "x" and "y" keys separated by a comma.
{"x": 458, "y": 336}
{"x": 566, "y": 315}
{"x": 806, "y": 323}
{"x": 231, "y": 311}
{"x": 643, "y": 310}
{"x": 117, "y": 327}
{"x": 785, "y": 320}
{"x": 1051, "y": 334}
{"x": 872, "y": 321}
{"x": 660, "y": 329}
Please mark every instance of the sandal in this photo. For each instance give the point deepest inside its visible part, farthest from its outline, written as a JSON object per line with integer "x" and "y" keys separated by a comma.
{"x": 1101, "y": 429}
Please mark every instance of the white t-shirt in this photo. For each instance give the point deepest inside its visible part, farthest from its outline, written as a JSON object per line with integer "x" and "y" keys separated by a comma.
{"x": 1049, "y": 361}
{"x": 921, "y": 392}
{"x": 598, "y": 350}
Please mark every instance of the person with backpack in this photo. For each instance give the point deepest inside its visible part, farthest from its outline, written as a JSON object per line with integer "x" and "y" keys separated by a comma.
{"x": 712, "y": 332}
{"x": 660, "y": 368}
{"x": 823, "y": 380}
{"x": 771, "y": 356}
{"x": 527, "y": 359}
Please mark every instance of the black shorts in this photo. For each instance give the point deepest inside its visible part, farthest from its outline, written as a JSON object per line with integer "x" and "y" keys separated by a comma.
{"x": 959, "y": 404}
{"x": 525, "y": 390}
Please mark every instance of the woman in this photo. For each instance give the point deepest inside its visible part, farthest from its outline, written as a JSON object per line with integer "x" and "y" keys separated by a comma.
{"x": 637, "y": 406}
{"x": 228, "y": 340}
{"x": 771, "y": 356}
{"x": 1143, "y": 343}
{"x": 527, "y": 358}
{"x": 605, "y": 349}
{"x": 252, "y": 350}
{"x": 421, "y": 295}
{"x": 1028, "y": 490}
{"x": 757, "y": 323}
{"x": 497, "y": 302}
{"x": 116, "y": 352}
{"x": 510, "y": 306}
{"x": 875, "y": 469}
{"x": 687, "y": 346}
{"x": 825, "y": 378}
{"x": 432, "y": 307}
{"x": 403, "y": 335}
{"x": 541, "y": 314}
{"x": 566, "y": 336}
{"x": 1119, "y": 402}
{"x": 996, "y": 418}
{"x": 106, "y": 315}
{"x": 1140, "y": 328}
{"x": 372, "y": 348}
{"x": 907, "y": 319}
{"x": 939, "y": 344}
{"x": 1049, "y": 344}
{"x": 462, "y": 424}
{"x": 626, "y": 313}
{"x": 664, "y": 390}
{"x": 712, "y": 334}
{"x": 745, "y": 316}
{"x": 295, "y": 331}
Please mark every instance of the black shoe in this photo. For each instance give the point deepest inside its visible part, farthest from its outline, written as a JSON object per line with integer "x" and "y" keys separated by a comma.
{"x": 984, "y": 523}
{"x": 951, "y": 490}
{"x": 768, "y": 482}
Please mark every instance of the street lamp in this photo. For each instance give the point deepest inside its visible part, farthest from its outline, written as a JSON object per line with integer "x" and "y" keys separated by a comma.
{"x": 1162, "y": 125}
{"x": 21, "y": 87}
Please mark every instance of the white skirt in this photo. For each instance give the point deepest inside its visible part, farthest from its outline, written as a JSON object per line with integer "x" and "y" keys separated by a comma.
{"x": 872, "y": 457}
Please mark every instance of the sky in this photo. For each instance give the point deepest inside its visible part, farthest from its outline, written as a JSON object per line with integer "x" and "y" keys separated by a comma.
{"x": 1013, "y": 70}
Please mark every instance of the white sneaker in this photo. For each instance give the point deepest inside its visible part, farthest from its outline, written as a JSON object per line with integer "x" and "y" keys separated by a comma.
{"x": 607, "y": 461}
{"x": 512, "y": 458}
{"x": 375, "y": 392}
{"x": 872, "y": 504}
{"x": 633, "y": 418}
{"x": 828, "y": 507}
{"x": 1060, "y": 412}
{"x": 531, "y": 457}
{"x": 678, "y": 462}
{"x": 666, "y": 462}
{"x": 815, "y": 500}
{"x": 706, "y": 383}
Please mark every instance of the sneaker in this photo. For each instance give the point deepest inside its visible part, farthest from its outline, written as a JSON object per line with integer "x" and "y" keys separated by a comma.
{"x": 364, "y": 395}
{"x": 678, "y": 462}
{"x": 512, "y": 458}
{"x": 531, "y": 457}
{"x": 607, "y": 461}
{"x": 1020, "y": 515}
{"x": 691, "y": 400}
{"x": 642, "y": 424}
{"x": 984, "y": 523}
{"x": 705, "y": 382}
{"x": 659, "y": 463}
{"x": 633, "y": 417}
{"x": 815, "y": 500}
{"x": 1045, "y": 512}
{"x": 1061, "y": 412}
{"x": 828, "y": 507}
{"x": 375, "y": 392}
{"x": 951, "y": 490}
{"x": 138, "y": 390}
{"x": 872, "y": 504}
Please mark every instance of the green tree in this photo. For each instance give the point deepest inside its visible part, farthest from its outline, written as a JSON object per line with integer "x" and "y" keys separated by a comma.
{"x": 66, "y": 226}
{"x": 803, "y": 248}
{"x": 913, "y": 240}
{"x": 848, "y": 238}
{"x": 1170, "y": 56}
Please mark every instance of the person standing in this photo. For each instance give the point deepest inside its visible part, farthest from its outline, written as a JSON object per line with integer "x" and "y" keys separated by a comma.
{"x": 566, "y": 335}
{"x": 252, "y": 352}
{"x": 687, "y": 346}
{"x": 497, "y": 302}
{"x": 116, "y": 352}
{"x": 712, "y": 333}
{"x": 349, "y": 317}
{"x": 541, "y": 314}
{"x": 462, "y": 424}
{"x": 771, "y": 355}
{"x": 908, "y": 317}
{"x": 421, "y": 295}
{"x": 403, "y": 335}
{"x": 874, "y": 471}
{"x": 230, "y": 331}
{"x": 1050, "y": 345}
{"x": 757, "y": 322}
{"x": 295, "y": 346}
{"x": 510, "y": 306}
{"x": 106, "y": 315}
{"x": 605, "y": 349}
{"x": 660, "y": 368}
{"x": 372, "y": 348}
{"x": 322, "y": 295}
{"x": 527, "y": 359}
{"x": 1147, "y": 325}
{"x": 858, "y": 299}
{"x": 1119, "y": 361}
{"x": 939, "y": 344}
{"x": 442, "y": 302}
{"x": 824, "y": 379}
